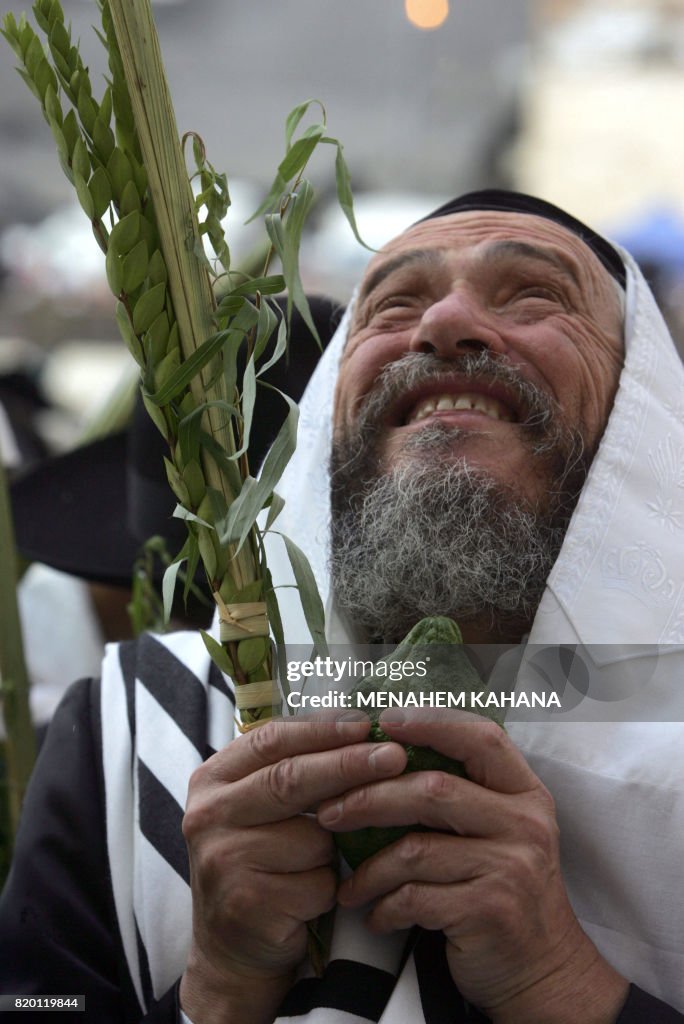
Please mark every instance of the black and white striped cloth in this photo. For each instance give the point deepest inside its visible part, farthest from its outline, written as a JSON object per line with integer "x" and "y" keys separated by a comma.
{"x": 165, "y": 709}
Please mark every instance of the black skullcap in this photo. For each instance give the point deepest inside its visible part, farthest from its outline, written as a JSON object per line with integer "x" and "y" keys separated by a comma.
{"x": 518, "y": 202}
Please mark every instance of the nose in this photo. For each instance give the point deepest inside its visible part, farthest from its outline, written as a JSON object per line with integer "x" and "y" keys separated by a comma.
{"x": 454, "y": 325}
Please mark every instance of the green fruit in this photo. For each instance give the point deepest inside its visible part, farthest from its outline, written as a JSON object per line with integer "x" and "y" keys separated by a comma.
{"x": 435, "y": 641}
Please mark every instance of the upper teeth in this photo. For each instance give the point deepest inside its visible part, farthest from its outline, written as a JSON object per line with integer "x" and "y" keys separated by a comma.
{"x": 481, "y": 403}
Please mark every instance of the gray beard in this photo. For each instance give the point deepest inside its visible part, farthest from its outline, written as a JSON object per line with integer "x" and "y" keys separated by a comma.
{"x": 434, "y": 537}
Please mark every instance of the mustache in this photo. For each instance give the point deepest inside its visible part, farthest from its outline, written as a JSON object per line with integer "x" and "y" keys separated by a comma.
{"x": 542, "y": 414}
{"x": 355, "y": 452}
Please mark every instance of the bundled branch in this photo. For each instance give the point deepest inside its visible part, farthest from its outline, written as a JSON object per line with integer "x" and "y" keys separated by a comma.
{"x": 123, "y": 155}
{"x": 20, "y": 744}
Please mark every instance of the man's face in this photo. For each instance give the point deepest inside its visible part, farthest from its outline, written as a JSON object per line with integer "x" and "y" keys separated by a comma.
{"x": 517, "y": 287}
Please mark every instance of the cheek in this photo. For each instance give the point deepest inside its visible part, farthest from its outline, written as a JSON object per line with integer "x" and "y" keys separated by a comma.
{"x": 359, "y": 371}
{"x": 342, "y": 399}
{"x": 583, "y": 368}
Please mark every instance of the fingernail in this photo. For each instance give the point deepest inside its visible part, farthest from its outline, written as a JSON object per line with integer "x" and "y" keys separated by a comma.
{"x": 393, "y": 717}
{"x": 385, "y": 757}
{"x": 349, "y": 718}
{"x": 352, "y": 716}
{"x": 330, "y": 814}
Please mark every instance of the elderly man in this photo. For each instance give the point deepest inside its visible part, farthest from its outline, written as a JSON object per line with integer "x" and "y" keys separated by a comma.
{"x": 499, "y": 400}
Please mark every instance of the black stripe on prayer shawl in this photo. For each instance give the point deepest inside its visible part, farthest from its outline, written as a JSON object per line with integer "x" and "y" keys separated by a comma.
{"x": 218, "y": 682}
{"x": 160, "y": 821}
{"x": 346, "y": 986}
{"x": 174, "y": 687}
{"x": 440, "y": 999}
{"x": 128, "y": 657}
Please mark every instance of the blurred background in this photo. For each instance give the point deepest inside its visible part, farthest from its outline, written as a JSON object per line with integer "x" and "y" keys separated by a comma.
{"x": 579, "y": 101}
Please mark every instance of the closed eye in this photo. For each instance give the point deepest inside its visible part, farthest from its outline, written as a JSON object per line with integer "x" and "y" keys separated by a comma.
{"x": 539, "y": 292}
{"x": 538, "y": 299}
{"x": 393, "y": 308}
{"x": 395, "y": 302}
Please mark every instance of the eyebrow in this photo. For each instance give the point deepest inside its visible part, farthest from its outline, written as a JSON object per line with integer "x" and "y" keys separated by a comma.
{"x": 427, "y": 257}
{"x": 527, "y": 251}
{"x": 497, "y": 251}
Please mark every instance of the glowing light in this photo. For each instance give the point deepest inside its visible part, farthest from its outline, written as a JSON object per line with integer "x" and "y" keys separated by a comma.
{"x": 427, "y": 14}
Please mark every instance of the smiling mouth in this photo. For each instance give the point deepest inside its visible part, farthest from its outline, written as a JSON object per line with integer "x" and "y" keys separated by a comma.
{"x": 468, "y": 401}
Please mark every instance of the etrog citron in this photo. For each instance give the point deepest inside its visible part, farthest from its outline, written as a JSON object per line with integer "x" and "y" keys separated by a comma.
{"x": 434, "y": 643}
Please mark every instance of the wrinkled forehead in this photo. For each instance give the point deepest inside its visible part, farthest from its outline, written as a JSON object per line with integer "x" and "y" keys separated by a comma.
{"x": 473, "y": 234}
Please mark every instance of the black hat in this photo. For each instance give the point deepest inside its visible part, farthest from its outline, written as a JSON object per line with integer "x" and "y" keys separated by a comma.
{"x": 519, "y": 202}
{"x": 89, "y": 512}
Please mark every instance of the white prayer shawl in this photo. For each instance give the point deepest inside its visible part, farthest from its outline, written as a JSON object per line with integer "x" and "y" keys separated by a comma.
{"x": 618, "y": 785}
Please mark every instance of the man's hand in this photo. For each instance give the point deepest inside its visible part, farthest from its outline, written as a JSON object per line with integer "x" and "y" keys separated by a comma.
{"x": 488, "y": 876}
{"x": 260, "y": 866}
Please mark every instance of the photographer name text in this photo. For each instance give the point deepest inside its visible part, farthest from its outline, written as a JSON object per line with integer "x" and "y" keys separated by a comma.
{"x": 380, "y": 699}
{"x": 335, "y": 671}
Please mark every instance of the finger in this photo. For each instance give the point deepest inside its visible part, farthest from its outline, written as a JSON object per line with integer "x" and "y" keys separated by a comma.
{"x": 431, "y": 798}
{"x": 419, "y": 857}
{"x": 306, "y": 895}
{"x": 281, "y": 738}
{"x": 295, "y": 784}
{"x": 447, "y": 908}
{"x": 489, "y": 756}
{"x": 297, "y": 844}
{"x": 330, "y": 715}
{"x": 264, "y": 902}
